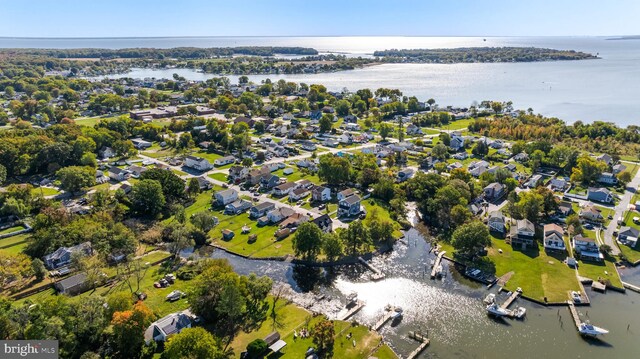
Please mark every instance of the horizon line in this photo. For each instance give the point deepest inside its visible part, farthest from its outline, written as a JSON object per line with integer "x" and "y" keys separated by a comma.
{"x": 279, "y": 36}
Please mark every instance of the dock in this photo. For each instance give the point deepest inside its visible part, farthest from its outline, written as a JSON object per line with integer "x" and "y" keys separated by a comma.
{"x": 390, "y": 311}
{"x": 423, "y": 340}
{"x": 436, "y": 265}
{"x": 574, "y": 314}
{"x": 597, "y": 286}
{"x": 377, "y": 274}
{"x": 632, "y": 287}
{"x": 511, "y": 299}
{"x": 351, "y": 311}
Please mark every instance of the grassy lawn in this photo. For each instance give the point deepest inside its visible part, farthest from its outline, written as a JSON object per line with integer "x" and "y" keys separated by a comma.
{"x": 14, "y": 249}
{"x": 604, "y": 270}
{"x": 11, "y": 230}
{"x": 384, "y": 352}
{"x": 265, "y": 245}
{"x": 458, "y": 124}
{"x": 632, "y": 254}
{"x": 45, "y": 191}
{"x": 297, "y": 175}
{"x": 14, "y": 240}
{"x": 222, "y": 177}
{"x": 379, "y": 207}
{"x": 537, "y": 273}
{"x": 92, "y": 121}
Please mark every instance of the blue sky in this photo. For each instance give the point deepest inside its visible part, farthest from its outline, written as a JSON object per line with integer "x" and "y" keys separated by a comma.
{"x": 121, "y": 18}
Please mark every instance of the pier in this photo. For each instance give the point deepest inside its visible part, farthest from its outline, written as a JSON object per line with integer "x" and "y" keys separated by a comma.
{"x": 632, "y": 287}
{"x": 390, "y": 311}
{"x": 436, "y": 264}
{"x": 377, "y": 274}
{"x": 424, "y": 342}
{"x": 574, "y": 314}
{"x": 511, "y": 299}
{"x": 352, "y": 311}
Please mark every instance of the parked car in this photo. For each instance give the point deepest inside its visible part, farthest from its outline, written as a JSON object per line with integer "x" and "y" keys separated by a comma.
{"x": 175, "y": 295}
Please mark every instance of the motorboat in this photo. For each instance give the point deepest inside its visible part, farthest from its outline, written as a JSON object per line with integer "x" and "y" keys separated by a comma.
{"x": 494, "y": 309}
{"x": 590, "y": 330}
{"x": 520, "y": 312}
{"x": 490, "y": 299}
{"x": 576, "y": 297}
{"x": 175, "y": 295}
{"x": 352, "y": 298}
{"x": 439, "y": 271}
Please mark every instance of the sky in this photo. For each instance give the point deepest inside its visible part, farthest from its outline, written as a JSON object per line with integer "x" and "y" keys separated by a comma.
{"x": 157, "y": 18}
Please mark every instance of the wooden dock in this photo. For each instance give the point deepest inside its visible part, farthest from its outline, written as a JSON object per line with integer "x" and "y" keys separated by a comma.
{"x": 424, "y": 342}
{"x": 377, "y": 274}
{"x": 436, "y": 264}
{"x": 597, "y": 286}
{"x": 390, "y": 311}
{"x": 351, "y": 311}
{"x": 574, "y": 314}
{"x": 511, "y": 299}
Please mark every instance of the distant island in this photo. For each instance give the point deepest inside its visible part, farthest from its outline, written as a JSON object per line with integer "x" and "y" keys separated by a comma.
{"x": 480, "y": 54}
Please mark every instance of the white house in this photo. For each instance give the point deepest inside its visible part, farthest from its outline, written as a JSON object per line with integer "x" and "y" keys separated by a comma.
{"x": 320, "y": 194}
{"x": 283, "y": 189}
{"x": 278, "y": 214}
{"x": 298, "y": 193}
{"x": 587, "y": 248}
{"x": 117, "y": 174}
{"x": 224, "y": 160}
{"x": 607, "y": 178}
{"x": 198, "y": 163}
{"x": 553, "y": 237}
{"x": 457, "y": 142}
{"x": 496, "y": 222}
{"x": 226, "y": 196}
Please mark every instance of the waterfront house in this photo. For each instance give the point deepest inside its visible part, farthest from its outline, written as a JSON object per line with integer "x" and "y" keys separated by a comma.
{"x": 117, "y": 174}
{"x": 349, "y": 206}
{"x": 283, "y": 189}
{"x": 222, "y": 161}
{"x": 599, "y": 195}
{"x": 278, "y": 214}
{"x": 496, "y": 222}
{"x": 171, "y": 324}
{"x": 198, "y": 163}
{"x": 320, "y": 194}
{"x": 226, "y": 196}
{"x": 324, "y": 222}
{"x": 494, "y": 191}
{"x": 261, "y": 209}
{"x": 629, "y": 236}
{"x": 523, "y": 234}
{"x": 73, "y": 285}
{"x": 587, "y": 248}
{"x": 237, "y": 206}
{"x": 553, "y": 237}
{"x": 62, "y": 255}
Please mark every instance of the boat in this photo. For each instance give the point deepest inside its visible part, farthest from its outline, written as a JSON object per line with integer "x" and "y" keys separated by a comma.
{"x": 494, "y": 309}
{"x": 590, "y": 330}
{"x": 439, "y": 271}
{"x": 520, "y": 312}
{"x": 352, "y": 298}
{"x": 576, "y": 297}
{"x": 490, "y": 299}
{"x": 397, "y": 315}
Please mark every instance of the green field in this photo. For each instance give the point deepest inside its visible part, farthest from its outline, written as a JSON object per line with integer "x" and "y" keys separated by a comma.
{"x": 14, "y": 244}
{"x": 45, "y": 191}
{"x": 218, "y": 176}
{"x": 11, "y": 230}
{"x": 92, "y": 121}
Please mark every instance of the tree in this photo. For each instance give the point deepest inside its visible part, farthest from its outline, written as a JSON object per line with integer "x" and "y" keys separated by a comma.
{"x": 247, "y": 162}
{"x": 587, "y": 170}
{"x": 3, "y": 174}
{"x": 37, "y": 266}
{"x": 384, "y": 189}
{"x": 355, "y": 237}
{"x": 192, "y": 343}
{"x": 193, "y": 187}
{"x": 460, "y": 214}
{"x": 307, "y": 241}
{"x": 385, "y": 130}
{"x": 147, "y": 197}
{"x": 440, "y": 151}
{"x": 623, "y": 177}
{"x": 574, "y": 224}
{"x": 480, "y": 149}
{"x": 179, "y": 238}
{"x": 172, "y": 185}
{"x": 530, "y": 205}
{"x": 204, "y": 221}
{"x": 342, "y": 108}
{"x": 332, "y": 246}
{"x": 259, "y": 127}
{"x": 470, "y": 237}
{"x": 75, "y": 178}
{"x": 323, "y": 335}
{"x": 326, "y": 123}
{"x": 128, "y": 330}
{"x": 256, "y": 349}
{"x": 334, "y": 170}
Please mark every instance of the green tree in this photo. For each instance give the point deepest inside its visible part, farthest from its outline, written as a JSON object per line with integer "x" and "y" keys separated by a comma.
{"x": 385, "y": 130}
{"x": 332, "y": 246}
{"x": 172, "y": 185}
{"x": 307, "y": 241}
{"x": 259, "y": 127}
{"x": 204, "y": 221}
{"x": 440, "y": 151}
{"x": 623, "y": 177}
{"x": 480, "y": 149}
{"x": 355, "y": 237}
{"x": 193, "y": 343}
{"x": 193, "y": 187}
{"x": 147, "y": 197}
{"x": 323, "y": 335}
{"x": 247, "y": 162}
{"x": 3, "y": 174}
{"x": 470, "y": 237}
{"x": 342, "y": 108}
{"x": 37, "y": 266}
{"x": 334, "y": 170}
{"x": 587, "y": 170}
{"x": 76, "y": 178}
{"x": 326, "y": 123}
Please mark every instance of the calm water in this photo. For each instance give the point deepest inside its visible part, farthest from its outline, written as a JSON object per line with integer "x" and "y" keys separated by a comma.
{"x": 604, "y": 89}
{"x": 451, "y": 309}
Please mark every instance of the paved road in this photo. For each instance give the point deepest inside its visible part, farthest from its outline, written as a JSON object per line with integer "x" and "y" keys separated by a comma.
{"x": 622, "y": 206}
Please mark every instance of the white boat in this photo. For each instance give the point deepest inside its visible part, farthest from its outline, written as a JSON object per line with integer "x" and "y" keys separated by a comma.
{"x": 439, "y": 271}
{"x": 490, "y": 299}
{"x": 591, "y": 330}
{"x": 576, "y": 297}
{"x": 397, "y": 315}
{"x": 494, "y": 309}
{"x": 352, "y": 298}
{"x": 520, "y": 312}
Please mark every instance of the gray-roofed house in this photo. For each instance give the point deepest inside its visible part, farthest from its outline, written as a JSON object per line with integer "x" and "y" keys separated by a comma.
{"x": 261, "y": 209}
{"x": 198, "y": 163}
{"x": 62, "y": 255}
{"x": 523, "y": 234}
{"x": 350, "y": 206}
{"x": 72, "y": 285}
{"x": 320, "y": 194}
{"x": 629, "y": 236}
{"x": 226, "y": 196}
{"x": 553, "y": 237}
{"x": 324, "y": 222}
{"x": 599, "y": 195}
{"x": 283, "y": 189}
{"x": 237, "y": 206}
{"x": 161, "y": 329}
{"x": 278, "y": 214}
{"x": 494, "y": 191}
{"x": 117, "y": 174}
{"x": 496, "y": 222}
{"x": 587, "y": 248}
{"x": 269, "y": 181}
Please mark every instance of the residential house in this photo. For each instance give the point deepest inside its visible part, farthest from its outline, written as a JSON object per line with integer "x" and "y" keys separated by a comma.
{"x": 171, "y": 324}
{"x": 321, "y": 194}
{"x": 521, "y": 157}
{"x": 298, "y": 194}
{"x": 198, "y": 163}
{"x": 460, "y": 156}
{"x": 237, "y": 207}
{"x": 412, "y": 129}
{"x": 599, "y": 195}
{"x": 324, "y": 222}
{"x": 605, "y": 158}
{"x": 478, "y": 170}
{"x": 222, "y": 161}
{"x": 203, "y": 183}
{"x": 294, "y": 220}
{"x": 101, "y": 178}
{"x": 619, "y": 168}
{"x": 278, "y": 214}
{"x": 558, "y": 184}
{"x": 346, "y": 193}
{"x": 261, "y": 209}
{"x": 349, "y": 206}
{"x": 496, "y": 222}
{"x": 352, "y": 127}
{"x": 494, "y": 191}
{"x": 457, "y": 141}
{"x": 523, "y": 234}
{"x": 117, "y": 174}
{"x": 73, "y": 285}
{"x": 226, "y": 196}
{"x": 62, "y": 255}
{"x": 590, "y": 213}
{"x": 565, "y": 208}
{"x": 141, "y": 144}
{"x": 136, "y": 171}
{"x": 350, "y": 119}
{"x": 608, "y": 178}
{"x": 629, "y": 236}
{"x": 534, "y": 181}
{"x": 553, "y": 237}
{"x": 256, "y": 175}
{"x": 454, "y": 165}
{"x": 283, "y": 189}
{"x": 304, "y": 183}
{"x": 106, "y": 153}
{"x": 269, "y": 181}
{"x": 587, "y": 248}
{"x": 405, "y": 174}
{"x": 309, "y": 146}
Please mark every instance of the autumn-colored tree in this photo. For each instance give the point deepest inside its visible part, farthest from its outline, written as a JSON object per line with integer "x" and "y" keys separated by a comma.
{"x": 128, "y": 330}
{"x": 323, "y": 335}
